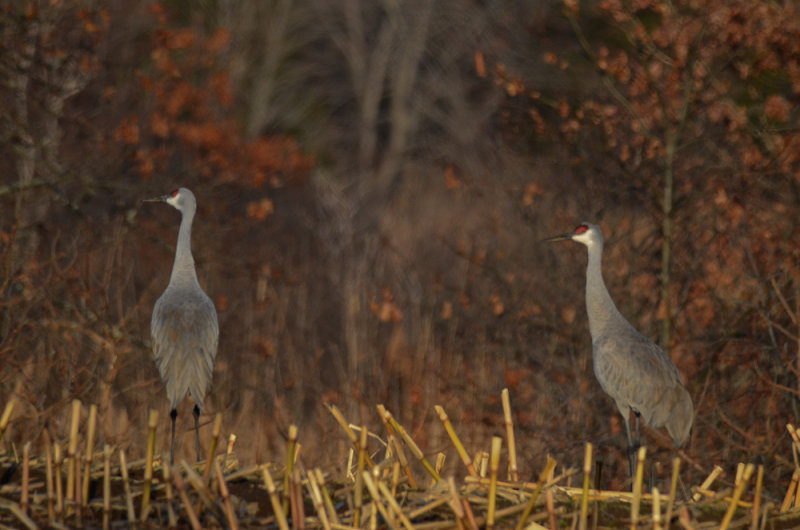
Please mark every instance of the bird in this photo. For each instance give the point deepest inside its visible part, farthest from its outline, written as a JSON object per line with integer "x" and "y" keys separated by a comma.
{"x": 184, "y": 327}
{"x": 637, "y": 374}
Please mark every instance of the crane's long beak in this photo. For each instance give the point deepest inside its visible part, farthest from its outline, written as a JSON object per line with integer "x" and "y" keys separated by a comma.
{"x": 560, "y": 237}
{"x": 160, "y": 198}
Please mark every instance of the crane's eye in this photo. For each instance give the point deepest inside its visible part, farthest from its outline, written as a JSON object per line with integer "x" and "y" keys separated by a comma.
{"x": 175, "y": 192}
{"x": 581, "y": 229}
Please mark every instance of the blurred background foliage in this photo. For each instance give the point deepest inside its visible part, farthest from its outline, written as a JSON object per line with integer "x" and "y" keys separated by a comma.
{"x": 374, "y": 178}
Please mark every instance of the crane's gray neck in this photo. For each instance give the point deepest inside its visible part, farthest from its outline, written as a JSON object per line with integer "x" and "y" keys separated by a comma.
{"x": 601, "y": 309}
{"x": 183, "y": 272}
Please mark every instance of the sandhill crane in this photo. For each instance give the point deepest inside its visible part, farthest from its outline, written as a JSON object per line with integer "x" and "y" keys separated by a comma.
{"x": 635, "y": 372}
{"x": 184, "y": 326}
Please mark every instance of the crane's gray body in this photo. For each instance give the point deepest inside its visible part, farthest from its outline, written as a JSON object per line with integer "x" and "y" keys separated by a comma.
{"x": 184, "y": 327}
{"x": 184, "y": 330}
{"x": 634, "y": 371}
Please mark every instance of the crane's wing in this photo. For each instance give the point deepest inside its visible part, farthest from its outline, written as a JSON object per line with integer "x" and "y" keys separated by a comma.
{"x": 636, "y": 372}
{"x": 185, "y": 334}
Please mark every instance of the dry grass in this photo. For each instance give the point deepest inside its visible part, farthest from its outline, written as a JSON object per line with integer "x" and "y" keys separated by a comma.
{"x": 393, "y": 486}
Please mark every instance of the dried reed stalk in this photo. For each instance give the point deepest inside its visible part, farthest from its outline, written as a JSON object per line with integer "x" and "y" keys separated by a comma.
{"x": 337, "y": 414}
{"x": 795, "y": 437}
{"x": 673, "y": 488}
{"x": 226, "y": 498}
{"x": 274, "y": 499}
{"x": 470, "y": 516}
{"x": 72, "y": 448}
{"x": 412, "y": 445}
{"x": 587, "y": 470}
{"x": 737, "y": 493}
{"x": 462, "y": 453}
{"x": 637, "y": 487}
{"x": 395, "y": 444}
{"x": 428, "y": 507}
{"x": 395, "y": 476}
{"x": 494, "y": 465}
{"x": 26, "y": 473}
{"x": 172, "y": 519}
{"x": 90, "y": 435}
{"x": 317, "y": 500}
{"x": 326, "y": 496}
{"x": 376, "y": 499}
{"x": 201, "y": 488}
{"x": 548, "y": 496}
{"x": 291, "y": 495}
{"x": 657, "y": 510}
{"x": 231, "y": 445}
{"x": 401, "y": 457}
{"x": 358, "y": 494}
{"x": 787, "y": 500}
{"x": 454, "y": 502}
{"x": 298, "y": 506}
{"x": 392, "y": 502}
{"x": 513, "y": 474}
{"x": 543, "y": 476}
{"x": 57, "y": 461}
{"x": 482, "y": 459}
{"x": 6, "y": 417}
{"x": 78, "y": 490}
{"x": 106, "y": 487}
{"x": 212, "y": 449}
{"x": 796, "y": 501}
{"x": 16, "y": 511}
{"x": 126, "y": 486}
{"x": 438, "y": 464}
{"x": 187, "y": 504}
{"x": 152, "y": 425}
{"x": 291, "y": 444}
{"x": 704, "y": 487}
{"x": 757, "y": 497}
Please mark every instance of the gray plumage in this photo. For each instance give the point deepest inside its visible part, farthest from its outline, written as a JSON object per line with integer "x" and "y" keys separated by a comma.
{"x": 184, "y": 327}
{"x": 635, "y": 372}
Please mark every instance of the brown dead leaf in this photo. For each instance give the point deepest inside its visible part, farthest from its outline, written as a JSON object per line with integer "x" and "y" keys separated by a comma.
{"x": 497, "y": 306}
{"x": 260, "y": 210}
{"x": 480, "y": 64}
{"x": 447, "y": 311}
{"x": 450, "y": 179}
{"x": 532, "y": 191}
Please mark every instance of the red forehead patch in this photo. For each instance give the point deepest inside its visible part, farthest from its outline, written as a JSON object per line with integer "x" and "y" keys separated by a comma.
{"x": 581, "y": 229}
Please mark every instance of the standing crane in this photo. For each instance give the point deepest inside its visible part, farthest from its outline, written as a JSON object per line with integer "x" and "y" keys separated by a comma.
{"x": 635, "y": 372}
{"x": 184, "y": 327}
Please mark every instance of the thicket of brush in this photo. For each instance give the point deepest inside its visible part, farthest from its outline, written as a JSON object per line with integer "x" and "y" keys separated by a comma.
{"x": 387, "y": 481}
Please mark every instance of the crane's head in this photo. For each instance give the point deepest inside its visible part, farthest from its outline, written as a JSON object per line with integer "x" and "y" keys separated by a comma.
{"x": 181, "y": 199}
{"x": 585, "y": 233}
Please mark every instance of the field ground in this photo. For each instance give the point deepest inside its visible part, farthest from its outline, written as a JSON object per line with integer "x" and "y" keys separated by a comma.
{"x": 390, "y": 487}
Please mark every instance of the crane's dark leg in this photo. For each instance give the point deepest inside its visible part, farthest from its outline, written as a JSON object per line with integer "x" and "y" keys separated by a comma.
{"x": 173, "y": 414}
{"x": 638, "y": 443}
{"x": 598, "y": 472}
{"x": 631, "y": 448}
{"x": 196, "y": 414}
